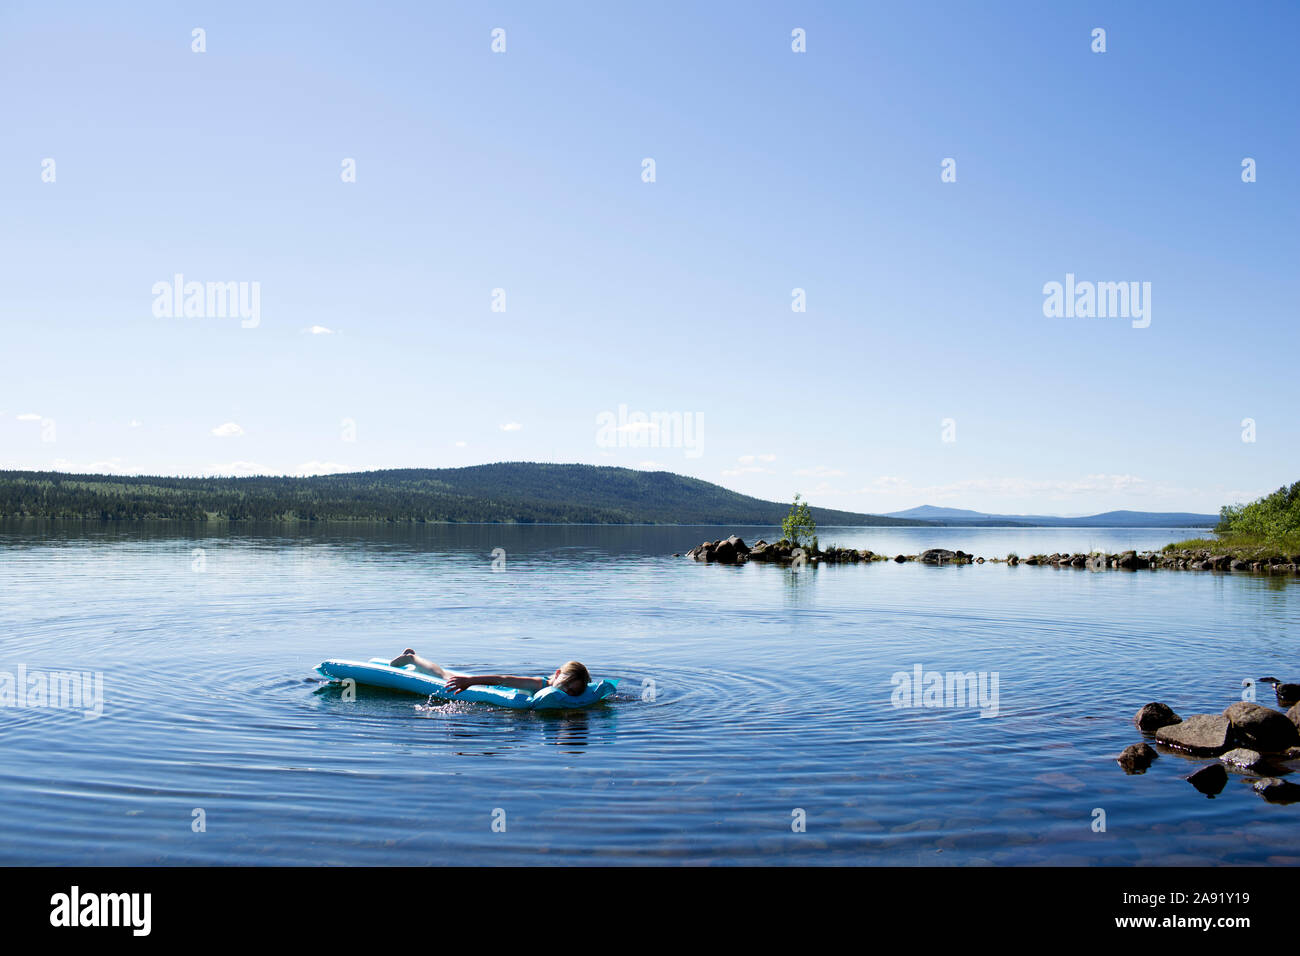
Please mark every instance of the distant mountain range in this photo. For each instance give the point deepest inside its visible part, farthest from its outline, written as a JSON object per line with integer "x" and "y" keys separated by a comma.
{"x": 508, "y": 492}
{"x": 960, "y": 517}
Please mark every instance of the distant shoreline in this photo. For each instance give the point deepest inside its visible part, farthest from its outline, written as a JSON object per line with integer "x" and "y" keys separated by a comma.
{"x": 507, "y": 493}
{"x": 217, "y": 521}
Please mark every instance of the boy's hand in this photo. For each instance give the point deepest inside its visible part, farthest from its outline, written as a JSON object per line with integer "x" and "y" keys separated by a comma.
{"x": 460, "y": 683}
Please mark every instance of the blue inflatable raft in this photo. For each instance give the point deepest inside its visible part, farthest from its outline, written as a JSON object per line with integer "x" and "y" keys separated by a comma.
{"x": 377, "y": 672}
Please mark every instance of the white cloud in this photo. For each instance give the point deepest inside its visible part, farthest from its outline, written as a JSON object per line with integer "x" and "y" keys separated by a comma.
{"x": 461, "y": 444}
{"x": 820, "y": 471}
{"x": 306, "y": 469}
{"x": 511, "y": 427}
{"x": 136, "y": 423}
{"x": 238, "y": 469}
{"x": 749, "y": 466}
{"x": 1241, "y": 497}
{"x": 887, "y": 485}
{"x": 319, "y": 468}
{"x": 29, "y": 417}
{"x": 112, "y": 466}
{"x": 228, "y": 430}
{"x": 319, "y": 330}
{"x": 652, "y": 466}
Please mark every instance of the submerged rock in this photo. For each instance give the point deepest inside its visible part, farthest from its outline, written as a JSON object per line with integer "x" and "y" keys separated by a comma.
{"x": 1210, "y": 779}
{"x": 731, "y": 551}
{"x": 724, "y": 552}
{"x": 704, "y": 552}
{"x": 1243, "y": 759}
{"x": 1131, "y": 561}
{"x": 1277, "y": 790}
{"x": 1261, "y": 728}
{"x": 1135, "y": 758}
{"x": 938, "y": 556}
{"x": 1203, "y": 734}
{"x": 1155, "y": 715}
{"x": 1287, "y": 694}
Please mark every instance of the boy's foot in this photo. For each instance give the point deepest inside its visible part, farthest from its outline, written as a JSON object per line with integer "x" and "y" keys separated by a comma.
{"x": 406, "y": 657}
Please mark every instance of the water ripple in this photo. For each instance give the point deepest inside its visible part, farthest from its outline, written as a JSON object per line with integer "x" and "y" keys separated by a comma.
{"x": 747, "y": 696}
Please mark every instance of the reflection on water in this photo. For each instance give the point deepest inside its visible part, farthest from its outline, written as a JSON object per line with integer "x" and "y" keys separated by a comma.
{"x": 746, "y": 692}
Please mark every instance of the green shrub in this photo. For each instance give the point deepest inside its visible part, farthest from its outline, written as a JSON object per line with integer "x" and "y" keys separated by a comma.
{"x": 1273, "y": 516}
{"x": 798, "y": 525}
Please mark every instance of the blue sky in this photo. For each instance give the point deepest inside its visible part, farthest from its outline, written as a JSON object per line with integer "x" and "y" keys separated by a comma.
{"x": 774, "y": 170}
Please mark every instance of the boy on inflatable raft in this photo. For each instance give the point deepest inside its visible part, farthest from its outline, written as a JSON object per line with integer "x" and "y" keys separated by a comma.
{"x": 572, "y": 678}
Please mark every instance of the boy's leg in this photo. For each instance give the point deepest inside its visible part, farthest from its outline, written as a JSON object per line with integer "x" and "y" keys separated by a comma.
{"x": 409, "y": 656}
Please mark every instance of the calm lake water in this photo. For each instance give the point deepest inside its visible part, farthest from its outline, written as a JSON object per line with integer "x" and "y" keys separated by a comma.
{"x": 753, "y": 697}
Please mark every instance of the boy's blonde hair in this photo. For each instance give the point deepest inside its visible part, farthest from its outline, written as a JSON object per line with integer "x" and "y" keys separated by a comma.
{"x": 574, "y": 678}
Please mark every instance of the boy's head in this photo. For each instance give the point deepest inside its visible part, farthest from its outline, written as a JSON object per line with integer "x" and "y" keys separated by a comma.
{"x": 572, "y": 678}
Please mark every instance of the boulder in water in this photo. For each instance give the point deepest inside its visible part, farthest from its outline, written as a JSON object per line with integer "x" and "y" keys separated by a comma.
{"x": 938, "y": 556}
{"x": 1155, "y": 715}
{"x": 1204, "y": 734}
{"x": 1261, "y": 728}
{"x": 1135, "y": 758}
{"x": 1243, "y": 759}
{"x": 1277, "y": 790}
{"x": 1210, "y": 779}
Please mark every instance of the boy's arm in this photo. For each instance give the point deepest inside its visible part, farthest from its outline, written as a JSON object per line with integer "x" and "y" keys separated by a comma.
{"x": 461, "y": 682}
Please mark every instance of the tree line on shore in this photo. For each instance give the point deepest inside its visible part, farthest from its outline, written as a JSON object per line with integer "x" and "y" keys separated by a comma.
{"x": 512, "y": 492}
{"x": 1274, "y": 517}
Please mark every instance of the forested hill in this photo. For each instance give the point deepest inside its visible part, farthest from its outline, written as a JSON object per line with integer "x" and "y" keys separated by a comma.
{"x": 522, "y": 492}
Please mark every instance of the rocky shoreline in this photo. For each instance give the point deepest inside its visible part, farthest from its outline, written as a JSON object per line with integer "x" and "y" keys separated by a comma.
{"x": 733, "y": 550}
{"x": 1248, "y": 739}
